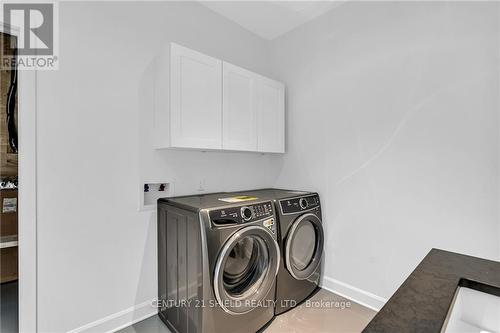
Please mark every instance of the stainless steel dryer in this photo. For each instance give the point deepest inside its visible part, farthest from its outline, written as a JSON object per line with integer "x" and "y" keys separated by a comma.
{"x": 301, "y": 241}
{"x": 217, "y": 264}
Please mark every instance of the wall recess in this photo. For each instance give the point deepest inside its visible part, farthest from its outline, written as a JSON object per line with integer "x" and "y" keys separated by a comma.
{"x": 151, "y": 192}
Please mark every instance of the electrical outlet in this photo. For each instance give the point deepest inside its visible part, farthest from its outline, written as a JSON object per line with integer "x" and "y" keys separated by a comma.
{"x": 201, "y": 185}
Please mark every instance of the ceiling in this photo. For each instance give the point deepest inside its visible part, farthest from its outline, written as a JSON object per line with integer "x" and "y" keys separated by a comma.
{"x": 270, "y": 19}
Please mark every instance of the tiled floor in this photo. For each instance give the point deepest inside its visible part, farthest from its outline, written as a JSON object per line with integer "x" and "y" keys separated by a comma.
{"x": 324, "y": 313}
{"x": 8, "y": 307}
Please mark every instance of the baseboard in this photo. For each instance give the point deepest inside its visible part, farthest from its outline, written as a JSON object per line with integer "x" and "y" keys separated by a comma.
{"x": 357, "y": 295}
{"x": 119, "y": 320}
{"x": 134, "y": 314}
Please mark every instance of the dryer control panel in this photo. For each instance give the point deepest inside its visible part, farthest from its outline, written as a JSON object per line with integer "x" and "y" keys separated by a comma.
{"x": 297, "y": 205}
{"x": 242, "y": 214}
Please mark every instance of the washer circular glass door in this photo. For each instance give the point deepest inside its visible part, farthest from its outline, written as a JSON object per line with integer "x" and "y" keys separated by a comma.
{"x": 304, "y": 246}
{"x": 246, "y": 270}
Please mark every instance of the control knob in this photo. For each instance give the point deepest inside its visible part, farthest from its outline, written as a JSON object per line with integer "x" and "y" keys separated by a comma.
{"x": 246, "y": 213}
{"x": 303, "y": 203}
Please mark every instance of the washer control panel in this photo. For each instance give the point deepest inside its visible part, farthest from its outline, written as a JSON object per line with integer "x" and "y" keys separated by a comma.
{"x": 242, "y": 214}
{"x": 296, "y": 205}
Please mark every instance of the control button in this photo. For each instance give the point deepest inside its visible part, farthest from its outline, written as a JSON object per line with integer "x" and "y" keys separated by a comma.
{"x": 303, "y": 203}
{"x": 246, "y": 213}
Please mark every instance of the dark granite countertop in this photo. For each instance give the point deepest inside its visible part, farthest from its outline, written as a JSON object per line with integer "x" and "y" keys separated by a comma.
{"x": 421, "y": 303}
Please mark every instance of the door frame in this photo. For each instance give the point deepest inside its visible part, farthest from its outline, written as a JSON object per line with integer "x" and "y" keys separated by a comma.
{"x": 27, "y": 195}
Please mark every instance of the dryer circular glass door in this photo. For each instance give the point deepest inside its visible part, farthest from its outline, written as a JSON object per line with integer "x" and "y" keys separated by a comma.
{"x": 246, "y": 270}
{"x": 304, "y": 246}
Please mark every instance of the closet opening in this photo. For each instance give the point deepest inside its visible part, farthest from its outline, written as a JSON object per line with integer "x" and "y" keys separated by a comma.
{"x": 9, "y": 171}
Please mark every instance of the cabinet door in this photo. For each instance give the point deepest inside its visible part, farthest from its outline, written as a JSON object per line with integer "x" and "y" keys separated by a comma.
{"x": 195, "y": 99}
{"x": 239, "y": 118}
{"x": 271, "y": 116}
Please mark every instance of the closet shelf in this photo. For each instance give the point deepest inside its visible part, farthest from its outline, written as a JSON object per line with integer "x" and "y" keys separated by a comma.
{"x": 8, "y": 241}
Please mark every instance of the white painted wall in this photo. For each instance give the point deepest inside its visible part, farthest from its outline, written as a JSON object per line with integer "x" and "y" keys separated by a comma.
{"x": 97, "y": 252}
{"x": 393, "y": 118}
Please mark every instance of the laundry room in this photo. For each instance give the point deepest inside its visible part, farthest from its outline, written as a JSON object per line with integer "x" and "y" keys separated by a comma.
{"x": 250, "y": 166}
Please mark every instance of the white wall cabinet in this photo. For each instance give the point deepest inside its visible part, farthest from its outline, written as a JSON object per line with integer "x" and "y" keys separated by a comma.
{"x": 270, "y": 116}
{"x": 239, "y": 109}
{"x": 195, "y": 99}
{"x": 215, "y": 105}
